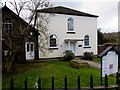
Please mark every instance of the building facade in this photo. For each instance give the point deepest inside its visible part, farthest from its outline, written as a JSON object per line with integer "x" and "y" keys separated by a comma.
{"x": 17, "y": 40}
{"x": 70, "y": 30}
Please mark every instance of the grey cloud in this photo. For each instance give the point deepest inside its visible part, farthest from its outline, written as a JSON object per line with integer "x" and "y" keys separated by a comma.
{"x": 107, "y": 12}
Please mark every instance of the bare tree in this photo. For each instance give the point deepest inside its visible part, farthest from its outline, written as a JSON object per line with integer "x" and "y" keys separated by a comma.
{"x": 40, "y": 22}
{"x": 14, "y": 43}
{"x": 18, "y": 6}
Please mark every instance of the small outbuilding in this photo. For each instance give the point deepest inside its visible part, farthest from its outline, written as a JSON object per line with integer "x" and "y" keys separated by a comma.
{"x": 14, "y": 29}
{"x": 110, "y": 60}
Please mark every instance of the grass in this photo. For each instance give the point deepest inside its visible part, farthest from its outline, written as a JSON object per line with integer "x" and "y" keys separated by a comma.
{"x": 46, "y": 70}
{"x": 97, "y": 60}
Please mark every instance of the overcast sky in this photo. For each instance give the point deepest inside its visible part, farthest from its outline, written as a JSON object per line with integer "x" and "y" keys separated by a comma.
{"x": 107, "y": 10}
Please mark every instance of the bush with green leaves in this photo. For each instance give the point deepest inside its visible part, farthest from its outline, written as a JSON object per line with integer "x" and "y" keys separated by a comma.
{"x": 69, "y": 55}
{"x": 88, "y": 56}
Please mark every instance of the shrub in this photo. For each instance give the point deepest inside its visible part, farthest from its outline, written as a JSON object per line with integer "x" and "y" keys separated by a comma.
{"x": 88, "y": 56}
{"x": 69, "y": 55}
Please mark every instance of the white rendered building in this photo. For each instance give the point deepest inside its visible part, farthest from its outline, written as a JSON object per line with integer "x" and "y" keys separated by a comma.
{"x": 69, "y": 30}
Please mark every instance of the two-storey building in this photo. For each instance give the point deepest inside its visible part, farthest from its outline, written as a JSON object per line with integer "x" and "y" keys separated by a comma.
{"x": 70, "y": 30}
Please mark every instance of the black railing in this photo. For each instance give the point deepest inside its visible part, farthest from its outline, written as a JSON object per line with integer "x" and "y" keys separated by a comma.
{"x": 91, "y": 81}
{"x": 25, "y": 83}
{"x": 39, "y": 84}
{"x": 106, "y": 86}
{"x": 52, "y": 83}
{"x": 12, "y": 84}
{"x": 78, "y": 82}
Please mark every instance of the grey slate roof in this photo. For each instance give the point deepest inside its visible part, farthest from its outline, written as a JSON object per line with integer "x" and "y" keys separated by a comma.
{"x": 105, "y": 51}
{"x": 65, "y": 10}
{"x": 116, "y": 48}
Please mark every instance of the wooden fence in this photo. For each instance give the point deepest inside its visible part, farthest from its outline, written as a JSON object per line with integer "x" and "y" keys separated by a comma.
{"x": 91, "y": 87}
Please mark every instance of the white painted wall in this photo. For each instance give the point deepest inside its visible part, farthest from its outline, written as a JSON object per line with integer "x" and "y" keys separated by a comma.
{"x": 110, "y": 59}
{"x": 82, "y": 26}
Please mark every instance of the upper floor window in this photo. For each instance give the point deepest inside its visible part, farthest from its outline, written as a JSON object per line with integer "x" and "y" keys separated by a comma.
{"x": 86, "y": 40}
{"x": 70, "y": 24}
{"x": 53, "y": 40}
{"x": 8, "y": 26}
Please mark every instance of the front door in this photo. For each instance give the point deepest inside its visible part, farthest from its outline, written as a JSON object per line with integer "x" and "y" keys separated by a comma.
{"x": 70, "y": 46}
{"x": 29, "y": 46}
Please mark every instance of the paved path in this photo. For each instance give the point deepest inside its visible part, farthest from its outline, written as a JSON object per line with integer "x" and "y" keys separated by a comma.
{"x": 93, "y": 64}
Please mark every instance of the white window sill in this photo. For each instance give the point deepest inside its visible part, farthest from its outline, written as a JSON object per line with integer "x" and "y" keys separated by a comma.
{"x": 86, "y": 46}
{"x": 53, "y": 47}
{"x": 71, "y": 32}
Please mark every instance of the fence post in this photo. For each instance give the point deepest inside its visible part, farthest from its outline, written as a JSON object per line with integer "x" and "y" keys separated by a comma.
{"x": 12, "y": 84}
{"x": 65, "y": 83}
{"x": 39, "y": 84}
{"x": 91, "y": 81}
{"x": 25, "y": 83}
{"x": 106, "y": 80}
{"x": 52, "y": 83}
{"x": 117, "y": 78}
{"x": 78, "y": 82}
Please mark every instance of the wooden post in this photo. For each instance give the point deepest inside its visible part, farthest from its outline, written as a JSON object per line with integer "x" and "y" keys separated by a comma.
{"x": 52, "y": 83}
{"x": 91, "y": 81}
{"x": 106, "y": 80}
{"x": 12, "y": 84}
{"x": 101, "y": 71}
{"x": 25, "y": 83}
{"x": 78, "y": 82}
{"x": 39, "y": 84}
{"x": 65, "y": 83}
{"x": 117, "y": 78}
{"x": 118, "y": 56}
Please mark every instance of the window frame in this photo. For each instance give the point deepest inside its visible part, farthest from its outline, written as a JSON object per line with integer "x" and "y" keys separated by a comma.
{"x": 28, "y": 47}
{"x": 86, "y": 41}
{"x": 8, "y": 25}
{"x": 53, "y": 41}
{"x": 70, "y": 24}
{"x": 31, "y": 47}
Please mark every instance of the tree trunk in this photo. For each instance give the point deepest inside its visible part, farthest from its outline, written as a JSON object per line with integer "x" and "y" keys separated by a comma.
{"x": 8, "y": 63}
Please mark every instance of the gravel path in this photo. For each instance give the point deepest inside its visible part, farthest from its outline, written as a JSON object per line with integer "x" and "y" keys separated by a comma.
{"x": 93, "y": 64}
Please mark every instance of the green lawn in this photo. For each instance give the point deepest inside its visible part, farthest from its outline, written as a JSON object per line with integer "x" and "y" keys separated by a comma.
{"x": 97, "y": 60}
{"x": 46, "y": 70}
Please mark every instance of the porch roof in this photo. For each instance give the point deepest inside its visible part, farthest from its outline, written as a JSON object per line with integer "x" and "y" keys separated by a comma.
{"x": 73, "y": 40}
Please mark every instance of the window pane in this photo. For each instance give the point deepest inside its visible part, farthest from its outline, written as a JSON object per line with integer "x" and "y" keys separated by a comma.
{"x": 8, "y": 27}
{"x": 31, "y": 47}
{"x": 10, "y": 31}
{"x": 86, "y": 40}
{"x": 28, "y": 47}
{"x": 52, "y": 42}
{"x": 70, "y": 24}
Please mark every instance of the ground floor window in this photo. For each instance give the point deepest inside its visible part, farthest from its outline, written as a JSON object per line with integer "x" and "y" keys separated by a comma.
{"x": 53, "y": 41}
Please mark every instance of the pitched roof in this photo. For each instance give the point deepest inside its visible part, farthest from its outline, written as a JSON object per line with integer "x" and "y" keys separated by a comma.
{"x": 105, "y": 51}
{"x": 5, "y": 8}
{"x": 65, "y": 10}
{"x": 116, "y": 48}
